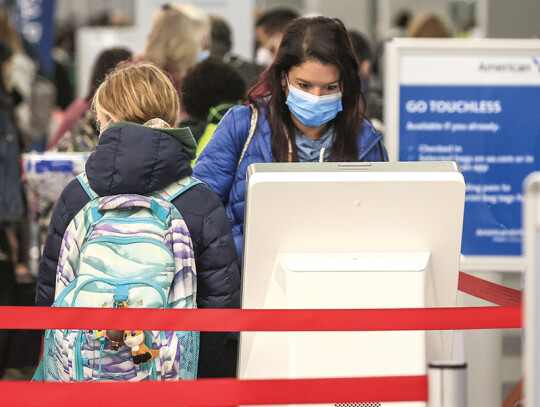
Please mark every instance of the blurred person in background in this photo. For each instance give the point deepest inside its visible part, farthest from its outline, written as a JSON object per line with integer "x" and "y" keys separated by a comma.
{"x": 64, "y": 65}
{"x": 309, "y": 110}
{"x": 400, "y": 21}
{"x": 18, "y": 43}
{"x": 108, "y": 18}
{"x": 210, "y": 89}
{"x": 373, "y": 94}
{"x": 78, "y": 130}
{"x": 11, "y": 199}
{"x": 269, "y": 29}
{"x": 221, "y": 48}
{"x": 179, "y": 37}
{"x": 18, "y": 72}
{"x": 34, "y": 96}
{"x": 470, "y": 29}
{"x": 428, "y": 25}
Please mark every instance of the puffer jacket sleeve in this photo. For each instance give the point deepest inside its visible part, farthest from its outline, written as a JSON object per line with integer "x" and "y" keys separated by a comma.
{"x": 71, "y": 201}
{"x": 218, "y": 275}
{"x": 371, "y": 145}
{"x": 216, "y": 166}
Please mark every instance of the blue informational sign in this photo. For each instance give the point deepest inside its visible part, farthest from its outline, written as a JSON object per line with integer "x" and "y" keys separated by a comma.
{"x": 493, "y": 132}
{"x": 35, "y": 19}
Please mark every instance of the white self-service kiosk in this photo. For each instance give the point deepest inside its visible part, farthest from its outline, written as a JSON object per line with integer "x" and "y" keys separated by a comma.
{"x": 350, "y": 235}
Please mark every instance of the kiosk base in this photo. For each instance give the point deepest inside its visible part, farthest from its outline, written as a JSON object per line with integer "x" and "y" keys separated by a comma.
{"x": 341, "y": 281}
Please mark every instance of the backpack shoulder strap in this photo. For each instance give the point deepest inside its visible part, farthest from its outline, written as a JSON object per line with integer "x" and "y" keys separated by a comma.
{"x": 39, "y": 374}
{"x": 83, "y": 179}
{"x": 170, "y": 192}
{"x": 253, "y": 126}
{"x": 203, "y": 141}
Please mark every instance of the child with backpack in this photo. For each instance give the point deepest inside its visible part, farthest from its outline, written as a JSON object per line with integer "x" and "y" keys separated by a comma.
{"x": 136, "y": 230}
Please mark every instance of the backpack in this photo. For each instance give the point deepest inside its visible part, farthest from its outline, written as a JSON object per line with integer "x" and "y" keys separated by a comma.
{"x": 124, "y": 251}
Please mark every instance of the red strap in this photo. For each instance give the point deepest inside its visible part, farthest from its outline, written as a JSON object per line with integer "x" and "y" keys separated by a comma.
{"x": 486, "y": 290}
{"x": 262, "y": 320}
{"x": 215, "y": 392}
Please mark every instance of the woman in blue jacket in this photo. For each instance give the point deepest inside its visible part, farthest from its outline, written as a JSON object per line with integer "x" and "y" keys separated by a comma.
{"x": 310, "y": 108}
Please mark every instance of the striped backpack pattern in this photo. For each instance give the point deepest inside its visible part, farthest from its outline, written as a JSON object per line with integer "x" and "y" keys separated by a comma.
{"x": 124, "y": 250}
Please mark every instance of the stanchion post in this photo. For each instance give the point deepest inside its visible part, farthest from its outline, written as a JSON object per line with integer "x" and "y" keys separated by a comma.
{"x": 447, "y": 384}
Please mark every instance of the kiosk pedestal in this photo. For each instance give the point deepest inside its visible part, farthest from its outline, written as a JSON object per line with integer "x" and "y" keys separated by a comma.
{"x": 340, "y": 281}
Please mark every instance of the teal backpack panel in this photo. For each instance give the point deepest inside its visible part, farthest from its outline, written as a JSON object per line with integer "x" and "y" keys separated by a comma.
{"x": 124, "y": 250}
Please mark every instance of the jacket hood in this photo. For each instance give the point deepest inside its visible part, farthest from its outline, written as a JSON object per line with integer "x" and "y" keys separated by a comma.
{"x": 131, "y": 158}
{"x": 197, "y": 127}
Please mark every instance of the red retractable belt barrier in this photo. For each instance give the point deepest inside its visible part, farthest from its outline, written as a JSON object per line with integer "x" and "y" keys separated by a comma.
{"x": 216, "y": 392}
{"x": 486, "y": 290}
{"x": 219, "y": 392}
{"x": 262, "y": 320}
{"x": 506, "y": 316}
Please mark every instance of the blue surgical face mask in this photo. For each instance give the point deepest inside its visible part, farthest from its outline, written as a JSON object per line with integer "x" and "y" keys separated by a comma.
{"x": 311, "y": 110}
{"x": 203, "y": 55}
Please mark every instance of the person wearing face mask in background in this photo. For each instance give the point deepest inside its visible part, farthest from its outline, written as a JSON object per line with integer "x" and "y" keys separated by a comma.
{"x": 310, "y": 109}
{"x": 222, "y": 48}
{"x": 269, "y": 29}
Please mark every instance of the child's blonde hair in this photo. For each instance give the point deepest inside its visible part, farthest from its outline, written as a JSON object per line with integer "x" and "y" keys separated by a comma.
{"x": 138, "y": 92}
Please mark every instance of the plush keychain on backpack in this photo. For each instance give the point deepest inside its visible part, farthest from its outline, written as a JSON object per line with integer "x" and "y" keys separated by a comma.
{"x": 139, "y": 351}
{"x": 115, "y": 337}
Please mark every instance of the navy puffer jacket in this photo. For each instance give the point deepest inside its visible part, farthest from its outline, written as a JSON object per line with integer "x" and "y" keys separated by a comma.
{"x": 136, "y": 159}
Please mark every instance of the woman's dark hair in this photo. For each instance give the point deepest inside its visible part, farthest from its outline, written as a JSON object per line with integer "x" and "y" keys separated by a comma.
{"x": 313, "y": 39}
{"x": 105, "y": 62}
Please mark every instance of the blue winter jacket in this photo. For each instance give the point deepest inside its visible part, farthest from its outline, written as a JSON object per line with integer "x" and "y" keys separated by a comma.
{"x": 135, "y": 159}
{"x": 217, "y": 164}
